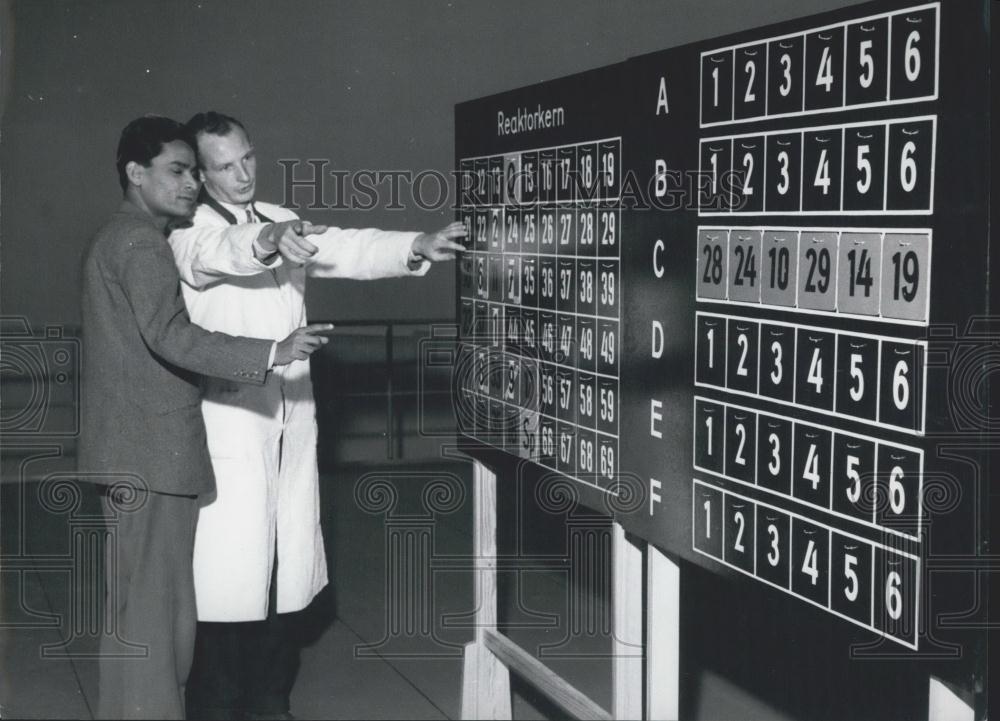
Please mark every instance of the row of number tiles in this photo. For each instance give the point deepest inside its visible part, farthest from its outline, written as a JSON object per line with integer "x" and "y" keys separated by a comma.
{"x": 586, "y": 286}
{"x": 868, "y": 480}
{"x": 566, "y": 230}
{"x": 873, "y": 585}
{"x": 872, "y": 379}
{"x": 870, "y": 273}
{"x": 585, "y": 454}
{"x": 858, "y": 168}
{"x": 566, "y": 394}
{"x": 582, "y": 171}
{"x": 568, "y": 340}
{"x": 879, "y": 60}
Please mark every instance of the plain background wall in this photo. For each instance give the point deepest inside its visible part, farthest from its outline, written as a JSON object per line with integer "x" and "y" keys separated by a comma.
{"x": 363, "y": 84}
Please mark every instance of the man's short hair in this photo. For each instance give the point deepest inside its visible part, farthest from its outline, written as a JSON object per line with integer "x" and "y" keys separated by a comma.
{"x": 143, "y": 139}
{"x": 213, "y": 123}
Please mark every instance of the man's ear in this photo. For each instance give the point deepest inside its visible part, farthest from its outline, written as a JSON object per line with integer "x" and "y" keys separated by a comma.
{"x": 135, "y": 172}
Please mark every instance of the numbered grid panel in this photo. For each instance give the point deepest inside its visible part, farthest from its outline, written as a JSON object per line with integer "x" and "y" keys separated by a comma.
{"x": 859, "y": 478}
{"x": 877, "y": 380}
{"x": 867, "y": 168}
{"x": 836, "y": 117}
{"x": 873, "y": 274}
{"x": 873, "y": 585}
{"x": 880, "y": 60}
{"x": 540, "y": 302}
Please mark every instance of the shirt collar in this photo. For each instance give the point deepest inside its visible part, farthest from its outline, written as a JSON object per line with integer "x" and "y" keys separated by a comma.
{"x": 240, "y": 213}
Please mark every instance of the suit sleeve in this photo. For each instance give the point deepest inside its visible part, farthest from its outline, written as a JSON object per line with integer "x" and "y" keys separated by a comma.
{"x": 363, "y": 254}
{"x": 150, "y": 282}
{"x": 206, "y": 253}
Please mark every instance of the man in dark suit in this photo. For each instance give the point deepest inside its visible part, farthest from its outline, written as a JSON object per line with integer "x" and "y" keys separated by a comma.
{"x": 142, "y": 432}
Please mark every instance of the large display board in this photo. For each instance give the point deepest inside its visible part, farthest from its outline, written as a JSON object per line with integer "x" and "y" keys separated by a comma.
{"x": 792, "y": 223}
{"x": 829, "y": 258}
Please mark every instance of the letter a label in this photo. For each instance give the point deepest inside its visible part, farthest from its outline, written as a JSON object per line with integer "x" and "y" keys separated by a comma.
{"x": 661, "y": 99}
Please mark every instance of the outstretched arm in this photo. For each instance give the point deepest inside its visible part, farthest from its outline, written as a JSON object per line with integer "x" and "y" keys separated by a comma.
{"x": 206, "y": 253}
{"x": 371, "y": 253}
{"x": 149, "y": 281}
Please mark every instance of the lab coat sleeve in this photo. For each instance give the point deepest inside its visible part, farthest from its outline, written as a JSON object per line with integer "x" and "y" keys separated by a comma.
{"x": 363, "y": 254}
{"x": 206, "y": 253}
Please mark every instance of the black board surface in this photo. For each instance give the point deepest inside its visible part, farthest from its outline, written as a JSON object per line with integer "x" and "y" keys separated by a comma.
{"x": 737, "y": 291}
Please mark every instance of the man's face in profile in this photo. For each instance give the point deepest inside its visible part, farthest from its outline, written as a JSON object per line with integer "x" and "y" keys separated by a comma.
{"x": 229, "y": 166}
{"x": 169, "y": 185}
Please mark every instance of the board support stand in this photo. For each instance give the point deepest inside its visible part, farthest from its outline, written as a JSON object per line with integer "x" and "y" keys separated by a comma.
{"x": 491, "y": 657}
{"x": 946, "y": 705}
{"x": 627, "y": 601}
{"x": 485, "y": 680}
{"x": 663, "y": 626}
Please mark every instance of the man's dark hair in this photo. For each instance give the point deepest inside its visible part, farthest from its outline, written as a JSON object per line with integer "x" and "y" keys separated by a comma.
{"x": 143, "y": 139}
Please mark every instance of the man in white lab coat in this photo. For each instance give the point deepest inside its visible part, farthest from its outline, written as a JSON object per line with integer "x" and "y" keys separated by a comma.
{"x": 258, "y": 547}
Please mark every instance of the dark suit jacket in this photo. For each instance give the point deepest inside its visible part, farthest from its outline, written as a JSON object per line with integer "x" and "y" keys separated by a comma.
{"x": 141, "y": 414}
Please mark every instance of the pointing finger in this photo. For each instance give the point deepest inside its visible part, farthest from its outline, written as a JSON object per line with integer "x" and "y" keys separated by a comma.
{"x": 302, "y": 245}
{"x": 310, "y": 229}
{"x": 449, "y": 245}
{"x": 317, "y": 328}
{"x": 296, "y": 247}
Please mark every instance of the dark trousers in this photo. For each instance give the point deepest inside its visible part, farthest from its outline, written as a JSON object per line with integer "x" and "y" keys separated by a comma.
{"x": 244, "y": 667}
{"x": 150, "y": 587}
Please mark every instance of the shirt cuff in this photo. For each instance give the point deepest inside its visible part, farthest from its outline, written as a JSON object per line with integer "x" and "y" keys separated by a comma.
{"x": 270, "y": 356}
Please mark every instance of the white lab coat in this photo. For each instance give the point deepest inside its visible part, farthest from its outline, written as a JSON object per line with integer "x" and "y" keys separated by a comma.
{"x": 262, "y": 439}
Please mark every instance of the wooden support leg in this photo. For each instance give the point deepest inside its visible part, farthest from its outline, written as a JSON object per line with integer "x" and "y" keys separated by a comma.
{"x": 663, "y": 637}
{"x": 485, "y": 684}
{"x": 485, "y": 681}
{"x": 627, "y": 600}
{"x": 945, "y": 705}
